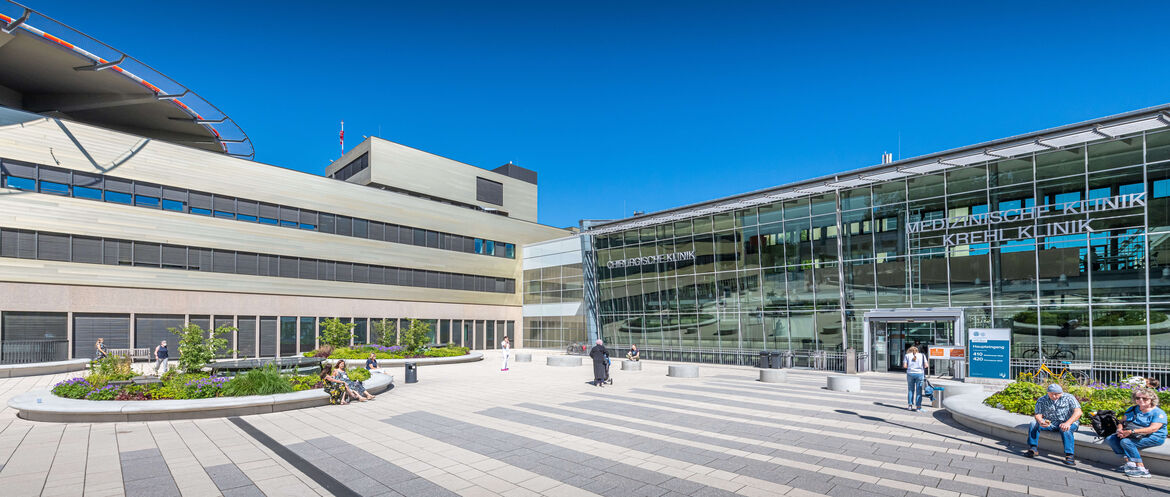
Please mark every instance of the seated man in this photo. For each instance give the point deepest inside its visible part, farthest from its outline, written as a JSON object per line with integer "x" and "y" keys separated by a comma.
{"x": 1055, "y": 412}
{"x": 633, "y": 353}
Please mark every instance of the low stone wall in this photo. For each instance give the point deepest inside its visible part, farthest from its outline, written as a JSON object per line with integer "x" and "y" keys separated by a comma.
{"x": 773, "y": 376}
{"x": 44, "y": 406}
{"x": 42, "y": 368}
{"x": 844, "y": 383}
{"x": 968, "y": 410}
{"x": 564, "y": 361}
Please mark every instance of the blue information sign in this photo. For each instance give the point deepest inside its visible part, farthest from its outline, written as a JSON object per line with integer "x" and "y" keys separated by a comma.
{"x": 989, "y": 351}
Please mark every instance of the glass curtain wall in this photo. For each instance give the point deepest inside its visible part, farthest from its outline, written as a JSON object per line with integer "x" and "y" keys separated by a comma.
{"x": 1069, "y": 248}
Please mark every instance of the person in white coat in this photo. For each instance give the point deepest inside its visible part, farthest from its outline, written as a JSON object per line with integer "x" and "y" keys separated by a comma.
{"x": 507, "y": 347}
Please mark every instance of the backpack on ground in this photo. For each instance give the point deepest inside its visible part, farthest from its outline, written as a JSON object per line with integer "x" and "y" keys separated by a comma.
{"x": 1104, "y": 422}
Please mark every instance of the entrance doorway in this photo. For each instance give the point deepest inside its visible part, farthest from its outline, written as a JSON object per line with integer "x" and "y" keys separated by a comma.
{"x": 889, "y": 333}
{"x": 900, "y": 336}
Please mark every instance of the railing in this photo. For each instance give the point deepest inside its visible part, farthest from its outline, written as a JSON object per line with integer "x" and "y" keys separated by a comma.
{"x": 805, "y": 359}
{"x": 28, "y": 351}
{"x": 1098, "y": 371}
{"x": 1159, "y": 354}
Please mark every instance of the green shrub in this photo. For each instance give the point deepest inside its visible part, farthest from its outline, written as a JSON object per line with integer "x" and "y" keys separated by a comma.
{"x": 336, "y": 333}
{"x": 385, "y": 332}
{"x": 358, "y": 374}
{"x": 113, "y": 368}
{"x": 446, "y": 352}
{"x": 305, "y": 382}
{"x": 265, "y": 380}
{"x": 197, "y": 347}
{"x": 415, "y": 337}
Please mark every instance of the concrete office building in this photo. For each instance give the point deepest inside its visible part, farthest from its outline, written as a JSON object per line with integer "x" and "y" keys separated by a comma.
{"x": 128, "y": 206}
{"x": 1061, "y": 236}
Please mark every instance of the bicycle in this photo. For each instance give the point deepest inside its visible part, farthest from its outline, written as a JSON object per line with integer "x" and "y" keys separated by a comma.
{"x": 1045, "y": 375}
{"x": 1059, "y": 353}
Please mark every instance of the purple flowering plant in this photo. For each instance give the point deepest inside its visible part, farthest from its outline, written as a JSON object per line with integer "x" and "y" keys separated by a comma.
{"x": 107, "y": 392}
{"x": 203, "y": 388}
{"x": 73, "y": 388}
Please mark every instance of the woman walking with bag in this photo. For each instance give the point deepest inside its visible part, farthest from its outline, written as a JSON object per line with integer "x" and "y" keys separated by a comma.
{"x": 916, "y": 367}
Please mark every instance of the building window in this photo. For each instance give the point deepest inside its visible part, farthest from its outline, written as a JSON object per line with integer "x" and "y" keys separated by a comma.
{"x": 489, "y": 191}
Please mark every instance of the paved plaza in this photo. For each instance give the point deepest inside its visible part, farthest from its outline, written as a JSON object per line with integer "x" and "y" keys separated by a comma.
{"x": 472, "y": 430}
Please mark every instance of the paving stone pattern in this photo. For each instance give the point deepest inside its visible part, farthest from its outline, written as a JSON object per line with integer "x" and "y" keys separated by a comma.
{"x": 363, "y": 472}
{"x": 587, "y": 472}
{"x": 472, "y": 430}
{"x": 145, "y": 473}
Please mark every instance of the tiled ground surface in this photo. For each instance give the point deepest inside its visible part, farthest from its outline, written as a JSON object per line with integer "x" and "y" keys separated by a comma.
{"x": 536, "y": 430}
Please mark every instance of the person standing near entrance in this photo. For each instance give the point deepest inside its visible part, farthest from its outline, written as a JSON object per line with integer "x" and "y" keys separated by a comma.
{"x": 507, "y": 347}
{"x": 916, "y": 367}
{"x": 161, "y": 355}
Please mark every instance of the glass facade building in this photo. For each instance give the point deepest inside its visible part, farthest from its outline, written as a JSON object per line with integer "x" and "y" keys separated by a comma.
{"x": 1061, "y": 236}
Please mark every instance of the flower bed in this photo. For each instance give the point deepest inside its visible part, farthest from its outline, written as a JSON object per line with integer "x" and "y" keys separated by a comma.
{"x": 174, "y": 385}
{"x": 1020, "y": 397}
{"x": 362, "y": 352}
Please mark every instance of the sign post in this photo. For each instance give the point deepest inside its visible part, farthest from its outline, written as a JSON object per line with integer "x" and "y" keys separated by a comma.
{"x": 991, "y": 351}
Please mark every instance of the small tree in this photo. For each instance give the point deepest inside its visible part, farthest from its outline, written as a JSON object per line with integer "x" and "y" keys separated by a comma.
{"x": 415, "y": 337}
{"x": 336, "y": 333}
{"x": 385, "y": 333}
{"x": 197, "y": 347}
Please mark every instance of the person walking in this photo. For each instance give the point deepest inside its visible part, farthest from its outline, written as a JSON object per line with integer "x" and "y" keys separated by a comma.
{"x": 1055, "y": 412}
{"x": 507, "y": 347}
{"x": 916, "y": 366}
{"x": 99, "y": 350}
{"x": 599, "y": 356}
{"x": 161, "y": 355}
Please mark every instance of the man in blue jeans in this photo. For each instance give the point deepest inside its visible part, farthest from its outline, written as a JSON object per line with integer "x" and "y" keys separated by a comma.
{"x": 1055, "y": 412}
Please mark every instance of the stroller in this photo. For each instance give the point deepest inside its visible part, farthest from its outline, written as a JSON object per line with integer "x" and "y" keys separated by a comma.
{"x": 608, "y": 378}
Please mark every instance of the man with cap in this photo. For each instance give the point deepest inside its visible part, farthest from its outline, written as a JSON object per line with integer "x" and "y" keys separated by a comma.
{"x": 1057, "y": 412}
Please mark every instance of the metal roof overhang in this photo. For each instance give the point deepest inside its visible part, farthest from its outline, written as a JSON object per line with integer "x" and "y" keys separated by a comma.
{"x": 1050, "y": 139}
{"x": 56, "y": 71}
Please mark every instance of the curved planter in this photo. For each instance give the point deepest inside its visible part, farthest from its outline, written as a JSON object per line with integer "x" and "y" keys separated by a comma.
{"x": 40, "y": 368}
{"x": 421, "y": 361}
{"x": 968, "y": 410}
{"x": 44, "y": 406}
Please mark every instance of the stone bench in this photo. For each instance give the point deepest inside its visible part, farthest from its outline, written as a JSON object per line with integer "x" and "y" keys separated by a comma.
{"x": 523, "y": 357}
{"x": 631, "y": 365}
{"x": 683, "y": 371}
{"x": 564, "y": 361}
{"x": 42, "y": 368}
{"x": 845, "y": 383}
{"x": 773, "y": 376}
{"x": 969, "y": 410}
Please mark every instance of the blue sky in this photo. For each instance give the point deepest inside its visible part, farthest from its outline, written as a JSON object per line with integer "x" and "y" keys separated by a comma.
{"x": 624, "y": 106}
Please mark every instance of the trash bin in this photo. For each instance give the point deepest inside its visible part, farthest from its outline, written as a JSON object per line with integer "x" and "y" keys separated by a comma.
{"x": 776, "y": 360}
{"x": 411, "y": 372}
{"x": 765, "y": 359}
{"x": 936, "y": 400}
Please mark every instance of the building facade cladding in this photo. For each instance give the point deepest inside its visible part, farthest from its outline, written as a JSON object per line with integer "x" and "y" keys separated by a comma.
{"x": 137, "y": 253}
{"x": 1068, "y": 248}
{"x": 554, "y": 315}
